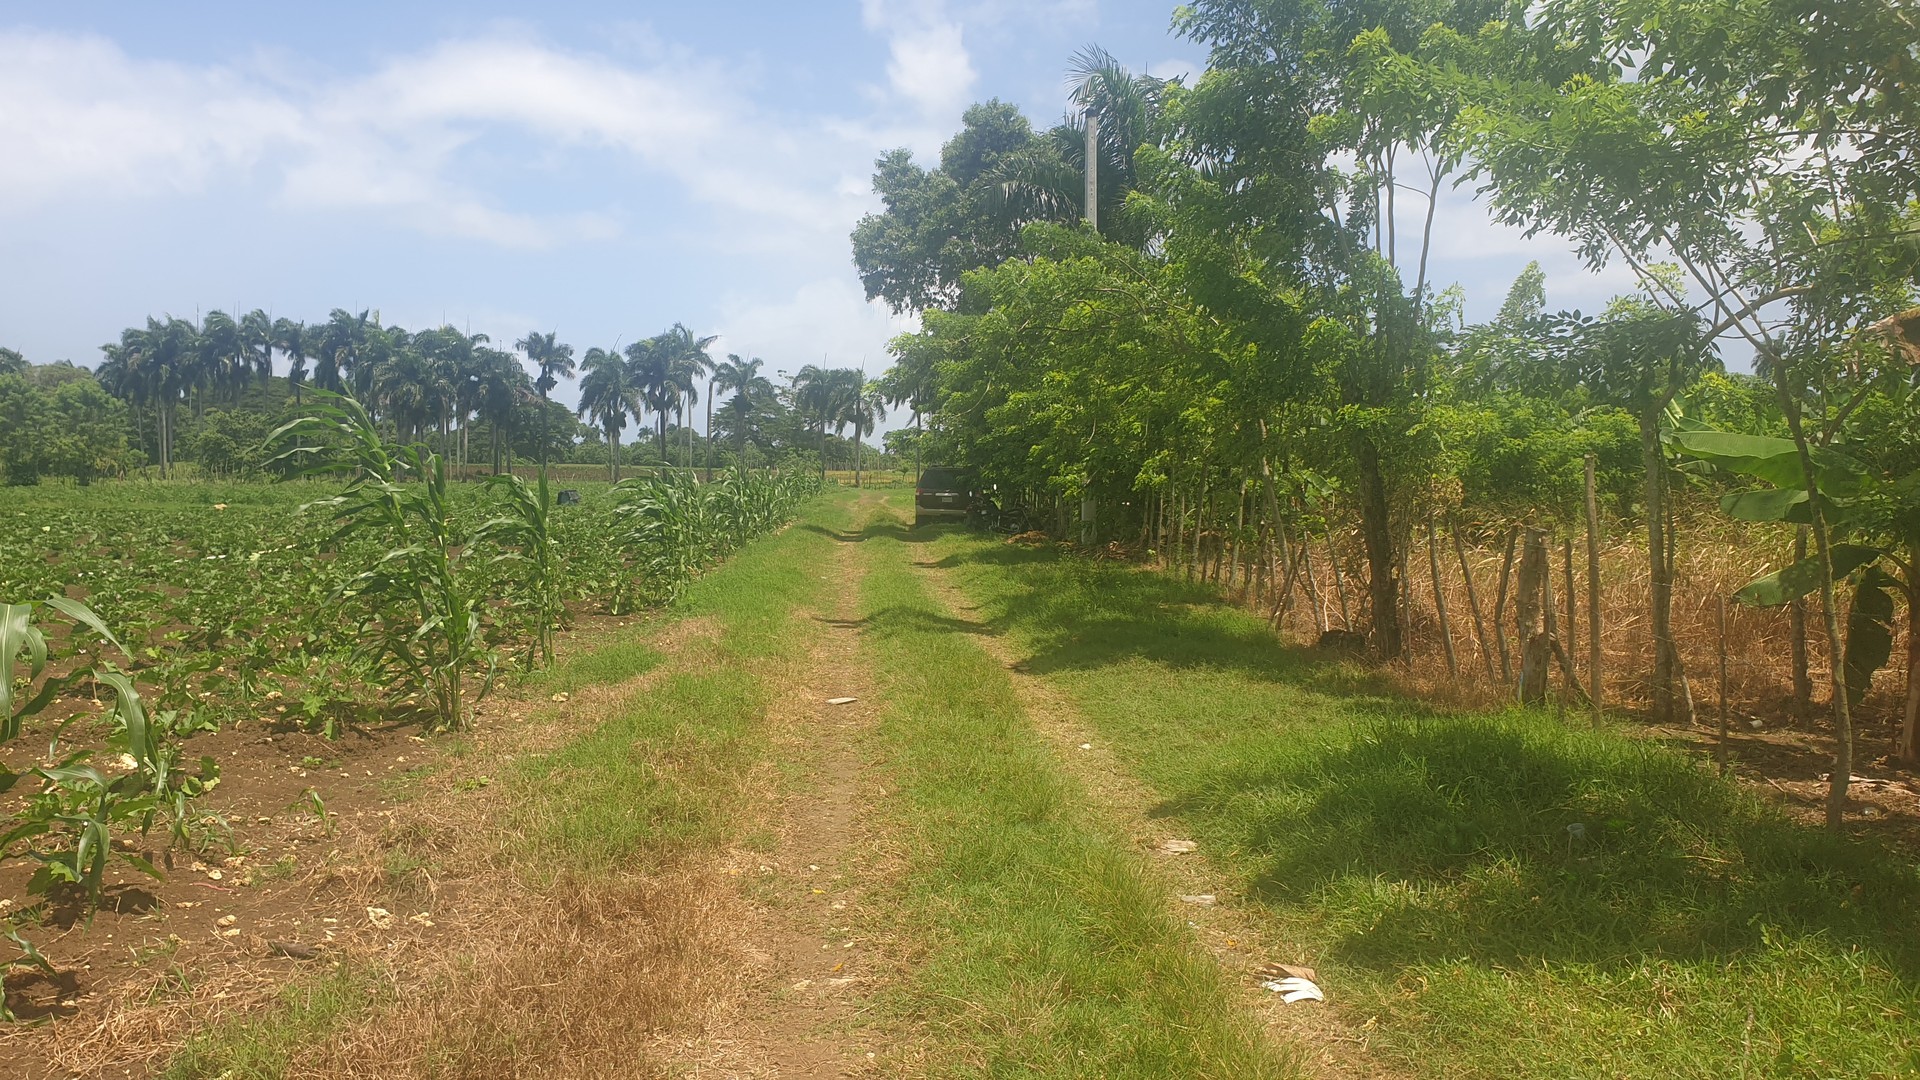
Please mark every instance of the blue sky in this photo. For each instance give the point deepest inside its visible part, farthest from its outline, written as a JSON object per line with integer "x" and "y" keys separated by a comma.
{"x": 600, "y": 169}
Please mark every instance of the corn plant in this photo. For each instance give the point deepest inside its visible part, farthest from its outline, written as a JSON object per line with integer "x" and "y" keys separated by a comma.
{"x": 672, "y": 527}
{"x": 67, "y": 825}
{"x": 421, "y": 631}
{"x": 526, "y": 530}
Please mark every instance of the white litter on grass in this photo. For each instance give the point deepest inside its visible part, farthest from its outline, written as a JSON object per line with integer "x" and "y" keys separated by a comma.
{"x": 1086, "y": 746}
{"x": 1196, "y": 898}
{"x": 1292, "y": 990}
{"x": 1178, "y": 847}
{"x": 380, "y": 917}
{"x": 842, "y": 700}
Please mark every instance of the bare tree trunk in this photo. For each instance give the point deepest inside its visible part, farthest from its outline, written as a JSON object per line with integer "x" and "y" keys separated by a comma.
{"x": 1473, "y": 600}
{"x": 1376, "y": 529}
{"x": 1339, "y": 583}
{"x": 1500, "y": 607}
{"x": 1440, "y": 599}
{"x": 1594, "y": 692}
{"x": 1907, "y": 749}
{"x": 1313, "y": 591}
{"x": 1671, "y": 702}
{"x": 1797, "y": 630}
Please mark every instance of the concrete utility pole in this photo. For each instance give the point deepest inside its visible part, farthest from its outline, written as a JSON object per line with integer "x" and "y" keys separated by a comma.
{"x": 1093, "y": 171}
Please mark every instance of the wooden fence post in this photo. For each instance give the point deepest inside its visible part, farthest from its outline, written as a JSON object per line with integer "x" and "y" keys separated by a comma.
{"x": 1530, "y": 611}
{"x": 1594, "y": 692}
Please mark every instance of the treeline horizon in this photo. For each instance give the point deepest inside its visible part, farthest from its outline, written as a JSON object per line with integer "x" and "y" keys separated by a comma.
{"x": 217, "y": 387}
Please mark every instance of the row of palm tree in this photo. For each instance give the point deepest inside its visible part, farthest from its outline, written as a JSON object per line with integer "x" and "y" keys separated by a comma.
{"x": 443, "y": 382}
{"x": 840, "y": 398}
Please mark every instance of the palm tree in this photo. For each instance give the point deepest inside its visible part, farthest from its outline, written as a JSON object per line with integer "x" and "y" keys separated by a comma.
{"x": 292, "y": 339}
{"x": 743, "y": 378}
{"x": 865, "y": 407}
{"x": 220, "y": 358}
{"x": 660, "y": 374}
{"x": 813, "y": 395}
{"x": 153, "y": 366}
{"x": 339, "y": 341}
{"x": 690, "y": 363}
{"x": 256, "y": 335}
{"x": 503, "y": 385}
{"x": 554, "y": 362}
{"x": 910, "y": 382}
{"x": 609, "y": 394}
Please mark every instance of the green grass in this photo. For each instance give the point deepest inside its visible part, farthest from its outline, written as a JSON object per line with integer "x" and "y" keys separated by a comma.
{"x": 1044, "y": 951}
{"x": 1425, "y": 859}
{"x": 263, "y": 1047}
{"x": 607, "y": 663}
{"x": 655, "y": 780}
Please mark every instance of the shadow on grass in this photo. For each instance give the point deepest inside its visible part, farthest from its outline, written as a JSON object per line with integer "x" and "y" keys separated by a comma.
{"x": 1425, "y": 836}
{"x": 891, "y": 620}
{"x": 1085, "y": 615}
{"x": 877, "y": 529}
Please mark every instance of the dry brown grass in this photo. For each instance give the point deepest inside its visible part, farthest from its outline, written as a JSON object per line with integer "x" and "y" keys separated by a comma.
{"x": 582, "y": 980}
{"x": 1713, "y": 561}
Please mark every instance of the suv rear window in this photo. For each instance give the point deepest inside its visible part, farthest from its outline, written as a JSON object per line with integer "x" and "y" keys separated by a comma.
{"x": 945, "y": 480}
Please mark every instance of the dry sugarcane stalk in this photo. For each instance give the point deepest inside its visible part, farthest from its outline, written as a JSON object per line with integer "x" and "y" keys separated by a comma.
{"x": 1440, "y": 600}
{"x": 1473, "y": 599}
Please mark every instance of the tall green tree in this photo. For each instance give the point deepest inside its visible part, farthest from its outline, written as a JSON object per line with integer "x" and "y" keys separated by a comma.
{"x": 610, "y": 394}
{"x": 553, "y": 361}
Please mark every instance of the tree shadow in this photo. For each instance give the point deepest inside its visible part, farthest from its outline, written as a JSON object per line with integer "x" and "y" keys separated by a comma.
{"x": 1440, "y": 835}
{"x": 896, "y": 619}
{"x": 1513, "y": 839}
{"x": 1088, "y": 615}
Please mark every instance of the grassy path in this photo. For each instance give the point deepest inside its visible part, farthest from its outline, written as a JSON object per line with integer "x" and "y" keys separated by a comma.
{"x": 1041, "y": 944}
{"x": 1484, "y": 896}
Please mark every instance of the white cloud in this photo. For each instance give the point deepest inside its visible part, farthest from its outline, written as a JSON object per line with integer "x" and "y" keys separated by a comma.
{"x": 79, "y": 117}
{"x": 927, "y": 63}
{"x": 825, "y": 321}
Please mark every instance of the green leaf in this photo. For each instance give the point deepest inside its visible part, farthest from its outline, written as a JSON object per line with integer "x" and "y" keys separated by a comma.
{"x": 1767, "y": 504}
{"x": 81, "y": 613}
{"x": 1793, "y": 582}
{"x": 1771, "y": 459}
{"x": 1869, "y": 633}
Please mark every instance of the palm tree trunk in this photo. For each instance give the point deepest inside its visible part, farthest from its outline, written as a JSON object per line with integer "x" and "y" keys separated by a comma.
{"x": 709, "y": 433}
{"x": 856, "y": 457}
{"x": 613, "y": 454}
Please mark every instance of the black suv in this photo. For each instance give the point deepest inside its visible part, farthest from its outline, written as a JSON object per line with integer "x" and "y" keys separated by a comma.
{"x": 944, "y": 494}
